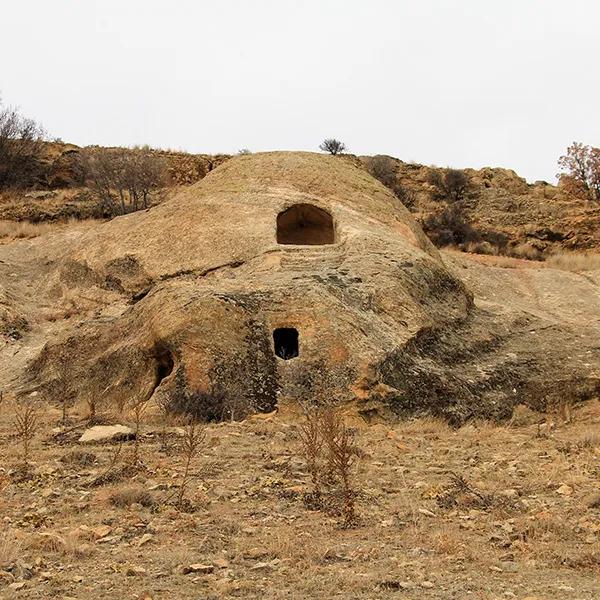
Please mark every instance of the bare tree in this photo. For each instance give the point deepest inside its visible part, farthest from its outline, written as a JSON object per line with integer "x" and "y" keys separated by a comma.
{"x": 21, "y": 141}
{"x": 332, "y": 146}
{"x": 123, "y": 179}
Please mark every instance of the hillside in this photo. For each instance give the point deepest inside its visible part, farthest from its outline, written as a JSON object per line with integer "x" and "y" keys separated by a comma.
{"x": 507, "y": 214}
{"x": 159, "y": 372}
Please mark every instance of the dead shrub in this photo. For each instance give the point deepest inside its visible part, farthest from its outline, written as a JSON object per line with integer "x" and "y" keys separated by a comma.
{"x": 26, "y": 426}
{"x": 312, "y": 449}
{"x": 460, "y": 492}
{"x": 342, "y": 455}
{"x": 384, "y": 169}
{"x": 131, "y": 494}
{"x": 449, "y": 227}
{"x": 450, "y": 185}
{"x": 329, "y": 449}
{"x": 114, "y": 471}
{"x": 194, "y": 436}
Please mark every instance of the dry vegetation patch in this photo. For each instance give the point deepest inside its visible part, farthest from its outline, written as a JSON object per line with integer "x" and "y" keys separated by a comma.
{"x": 497, "y": 511}
{"x": 575, "y": 261}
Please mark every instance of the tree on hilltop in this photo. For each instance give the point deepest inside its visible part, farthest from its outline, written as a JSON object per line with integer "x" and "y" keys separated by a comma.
{"x": 332, "y": 146}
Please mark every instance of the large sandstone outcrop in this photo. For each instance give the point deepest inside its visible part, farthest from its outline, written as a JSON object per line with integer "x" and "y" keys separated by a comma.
{"x": 229, "y": 298}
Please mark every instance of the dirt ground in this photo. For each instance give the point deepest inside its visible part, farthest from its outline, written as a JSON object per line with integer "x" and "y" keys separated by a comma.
{"x": 484, "y": 512}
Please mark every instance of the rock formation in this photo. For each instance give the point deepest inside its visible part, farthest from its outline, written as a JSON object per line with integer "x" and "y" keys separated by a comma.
{"x": 289, "y": 277}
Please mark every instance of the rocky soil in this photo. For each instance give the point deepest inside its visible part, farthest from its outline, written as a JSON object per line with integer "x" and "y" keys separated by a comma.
{"x": 523, "y": 524}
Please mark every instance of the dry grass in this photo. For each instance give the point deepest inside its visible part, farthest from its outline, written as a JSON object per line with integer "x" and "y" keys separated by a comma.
{"x": 24, "y": 229}
{"x": 14, "y": 230}
{"x": 254, "y": 527}
{"x": 574, "y": 261}
{"x": 10, "y": 548}
{"x": 127, "y": 495}
{"x": 69, "y": 544}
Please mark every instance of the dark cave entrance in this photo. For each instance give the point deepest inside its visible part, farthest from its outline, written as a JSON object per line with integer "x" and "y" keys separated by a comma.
{"x": 285, "y": 340}
{"x": 305, "y": 224}
{"x": 164, "y": 363}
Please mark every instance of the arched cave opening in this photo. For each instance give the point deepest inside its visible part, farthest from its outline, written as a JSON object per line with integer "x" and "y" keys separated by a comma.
{"x": 285, "y": 340}
{"x": 305, "y": 224}
{"x": 164, "y": 363}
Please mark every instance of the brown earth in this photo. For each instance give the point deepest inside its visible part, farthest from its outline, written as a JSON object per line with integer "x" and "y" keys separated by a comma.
{"x": 527, "y": 527}
{"x": 180, "y": 303}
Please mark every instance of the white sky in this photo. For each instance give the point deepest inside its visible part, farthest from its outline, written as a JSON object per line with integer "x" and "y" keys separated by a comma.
{"x": 449, "y": 82}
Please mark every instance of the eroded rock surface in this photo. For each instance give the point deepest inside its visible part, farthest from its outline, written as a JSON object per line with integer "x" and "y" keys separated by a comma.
{"x": 184, "y": 302}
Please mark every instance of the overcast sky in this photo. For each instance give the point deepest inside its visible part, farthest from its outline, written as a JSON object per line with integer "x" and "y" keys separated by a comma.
{"x": 448, "y": 82}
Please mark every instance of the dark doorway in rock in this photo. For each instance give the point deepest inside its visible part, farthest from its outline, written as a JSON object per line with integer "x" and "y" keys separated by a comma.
{"x": 164, "y": 363}
{"x": 305, "y": 224}
{"x": 286, "y": 342}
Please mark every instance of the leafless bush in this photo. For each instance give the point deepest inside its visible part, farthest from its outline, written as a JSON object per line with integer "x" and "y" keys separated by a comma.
{"x": 26, "y": 426}
{"x": 123, "y": 179}
{"x": 332, "y": 146}
{"x": 342, "y": 455}
{"x": 460, "y": 492}
{"x": 193, "y": 439}
{"x": 138, "y": 411}
{"x": 312, "y": 448}
{"x": 114, "y": 471}
{"x": 21, "y": 143}
{"x": 450, "y": 185}
{"x": 384, "y": 169}
{"x": 449, "y": 227}
{"x": 330, "y": 451}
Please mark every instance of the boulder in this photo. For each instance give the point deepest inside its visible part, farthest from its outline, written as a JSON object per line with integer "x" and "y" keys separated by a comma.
{"x": 106, "y": 433}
